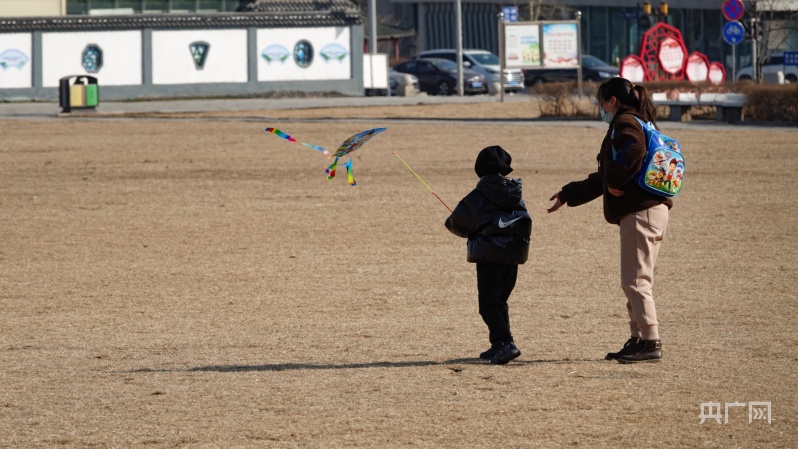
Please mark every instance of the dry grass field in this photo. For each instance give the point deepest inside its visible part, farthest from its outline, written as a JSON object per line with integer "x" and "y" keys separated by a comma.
{"x": 198, "y": 283}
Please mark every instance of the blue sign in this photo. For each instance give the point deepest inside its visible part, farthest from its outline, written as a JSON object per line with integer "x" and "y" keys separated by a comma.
{"x": 628, "y": 15}
{"x": 510, "y": 13}
{"x": 791, "y": 58}
{"x": 733, "y": 32}
{"x": 733, "y": 9}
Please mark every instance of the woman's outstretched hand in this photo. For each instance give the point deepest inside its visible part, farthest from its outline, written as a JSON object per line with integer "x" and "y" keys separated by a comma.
{"x": 558, "y": 204}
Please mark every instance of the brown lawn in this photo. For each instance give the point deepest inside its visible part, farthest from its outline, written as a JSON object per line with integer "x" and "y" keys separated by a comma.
{"x": 198, "y": 283}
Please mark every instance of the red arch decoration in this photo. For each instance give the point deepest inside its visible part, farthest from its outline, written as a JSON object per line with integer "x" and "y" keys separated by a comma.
{"x": 650, "y": 52}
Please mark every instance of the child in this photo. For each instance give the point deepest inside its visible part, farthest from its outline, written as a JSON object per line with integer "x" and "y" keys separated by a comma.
{"x": 494, "y": 219}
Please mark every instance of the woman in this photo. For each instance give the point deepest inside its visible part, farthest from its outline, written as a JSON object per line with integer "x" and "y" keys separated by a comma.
{"x": 642, "y": 216}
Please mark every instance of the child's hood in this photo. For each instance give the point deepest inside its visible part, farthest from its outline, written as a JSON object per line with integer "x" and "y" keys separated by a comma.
{"x": 500, "y": 190}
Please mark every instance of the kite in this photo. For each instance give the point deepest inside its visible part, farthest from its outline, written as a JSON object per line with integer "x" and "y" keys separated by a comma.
{"x": 348, "y": 146}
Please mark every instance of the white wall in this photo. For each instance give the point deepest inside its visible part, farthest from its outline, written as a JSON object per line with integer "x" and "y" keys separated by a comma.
{"x": 62, "y": 55}
{"x": 275, "y": 41}
{"x": 15, "y": 60}
{"x": 226, "y": 61}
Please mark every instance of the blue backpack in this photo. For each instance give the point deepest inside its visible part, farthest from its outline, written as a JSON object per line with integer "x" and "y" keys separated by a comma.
{"x": 662, "y": 172}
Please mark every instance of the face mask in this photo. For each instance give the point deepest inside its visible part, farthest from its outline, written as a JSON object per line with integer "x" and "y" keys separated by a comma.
{"x": 606, "y": 116}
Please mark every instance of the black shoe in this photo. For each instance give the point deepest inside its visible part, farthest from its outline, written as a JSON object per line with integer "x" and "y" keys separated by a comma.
{"x": 631, "y": 346}
{"x": 506, "y": 353}
{"x": 487, "y": 355}
{"x": 650, "y": 351}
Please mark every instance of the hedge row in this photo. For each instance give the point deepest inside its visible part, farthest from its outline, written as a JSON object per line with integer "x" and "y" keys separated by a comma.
{"x": 764, "y": 102}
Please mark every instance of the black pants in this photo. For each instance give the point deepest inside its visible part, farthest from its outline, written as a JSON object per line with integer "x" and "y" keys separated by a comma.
{"x": 495, "y": 282}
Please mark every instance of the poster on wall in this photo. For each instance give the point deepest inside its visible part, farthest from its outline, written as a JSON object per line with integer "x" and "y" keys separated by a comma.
{"x": 199, "y": 56}
{"x": 299, "y": 54}
{"x": 560, "y": 45}
{"x": 15, "y": 60}
{"x": 522, "y": 46}
{"x": 114, "y": 57}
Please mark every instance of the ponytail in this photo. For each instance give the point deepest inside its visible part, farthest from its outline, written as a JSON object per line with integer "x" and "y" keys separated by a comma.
{"x": 646, "y": 106}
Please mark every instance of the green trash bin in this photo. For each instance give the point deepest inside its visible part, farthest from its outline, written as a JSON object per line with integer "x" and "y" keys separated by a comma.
{"x": 83, "y": 93}
{"x": 92, "y": 95}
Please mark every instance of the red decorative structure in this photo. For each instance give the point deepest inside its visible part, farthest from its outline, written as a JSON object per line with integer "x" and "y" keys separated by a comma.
{"x": 717, "y": 73}
{"x": 633, "y": 69}
{"x": 697, "y": 69}
{"x": 663, "y": 53}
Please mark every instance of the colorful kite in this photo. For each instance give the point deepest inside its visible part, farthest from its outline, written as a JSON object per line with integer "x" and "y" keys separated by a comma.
{"x": 351, "y": 144}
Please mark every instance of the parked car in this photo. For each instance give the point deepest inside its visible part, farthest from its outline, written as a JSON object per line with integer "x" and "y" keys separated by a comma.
{"x": 483, "y": 62}
{"x": 393, "y": 79}
{"x": 439, "y": 76}
{"x": 770, "y": 66}
{"x": 593, "y": 69}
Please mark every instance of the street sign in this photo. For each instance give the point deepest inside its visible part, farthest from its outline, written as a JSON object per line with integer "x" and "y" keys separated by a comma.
{"x": 510, "y": 13}
{"x": 733, "y": 32}
{"x": 628, "y": 15}
{"x": 733, "y": 9}
{"x": 791, "y": 58}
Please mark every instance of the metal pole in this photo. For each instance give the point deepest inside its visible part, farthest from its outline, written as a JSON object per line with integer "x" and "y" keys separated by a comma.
{"x": 501, "y": 57}
{"x": 734, "y": 63}
{"x": 458, "y": 12}
{"x": 754, "y": 65}
{"x": 579, "y": 51}
{"x": 372, "y": 26}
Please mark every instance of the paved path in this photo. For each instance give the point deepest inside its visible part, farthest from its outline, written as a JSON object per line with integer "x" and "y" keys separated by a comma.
{"x": 51, "y": 110}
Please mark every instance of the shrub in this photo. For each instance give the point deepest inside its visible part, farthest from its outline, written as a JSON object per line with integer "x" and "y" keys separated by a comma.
{"x": 764, "y": 102}
{"x": 562, "y": 100}
{"x": 772, "y": 103}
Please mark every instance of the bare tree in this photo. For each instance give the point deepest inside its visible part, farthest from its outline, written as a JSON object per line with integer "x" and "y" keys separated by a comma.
{"x": 776, "y": 21}
{"x": 534, "y": 9}
{"x": 548, "y": 10}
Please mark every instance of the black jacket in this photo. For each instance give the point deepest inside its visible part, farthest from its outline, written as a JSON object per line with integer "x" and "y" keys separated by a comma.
{"x": 494, "y": 219}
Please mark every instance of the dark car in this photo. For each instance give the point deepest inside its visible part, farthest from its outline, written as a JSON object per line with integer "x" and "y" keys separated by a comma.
{"x": 593, "y": 69}
{"x": 439, "y": 76}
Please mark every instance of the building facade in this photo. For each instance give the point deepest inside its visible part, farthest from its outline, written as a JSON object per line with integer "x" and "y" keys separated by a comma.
{"x": 30, "y": 8}
{"x": 611, "y": 29}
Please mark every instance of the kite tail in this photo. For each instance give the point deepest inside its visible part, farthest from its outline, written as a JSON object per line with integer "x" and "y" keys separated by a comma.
{"x": 331, "y": 169}
{"x": 280, "y": 134}
{"x": 349, "y": 175}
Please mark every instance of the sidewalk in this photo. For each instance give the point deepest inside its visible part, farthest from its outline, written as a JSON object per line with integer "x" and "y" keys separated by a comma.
{"x": 51, "y": 109}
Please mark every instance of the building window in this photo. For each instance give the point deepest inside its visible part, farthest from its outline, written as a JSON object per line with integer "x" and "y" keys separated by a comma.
{"x": 597, "y": 38}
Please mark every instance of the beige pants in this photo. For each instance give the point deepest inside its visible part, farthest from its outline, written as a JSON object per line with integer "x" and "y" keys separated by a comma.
{"x": 641, "y": 235}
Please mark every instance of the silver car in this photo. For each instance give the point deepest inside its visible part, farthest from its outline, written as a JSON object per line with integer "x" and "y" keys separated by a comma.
{"x": 394, "y": 80}
{"x": 484, "y": 62}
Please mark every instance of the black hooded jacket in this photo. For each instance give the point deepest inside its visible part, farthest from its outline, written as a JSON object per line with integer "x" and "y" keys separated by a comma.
{"x": 494, "y": 219}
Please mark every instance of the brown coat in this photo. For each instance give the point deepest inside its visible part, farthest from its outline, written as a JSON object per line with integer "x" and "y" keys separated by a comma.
{"x": 617, "y": 171}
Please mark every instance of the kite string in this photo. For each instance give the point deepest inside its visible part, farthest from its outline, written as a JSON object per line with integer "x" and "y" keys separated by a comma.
{"x": 422, "y": 181}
